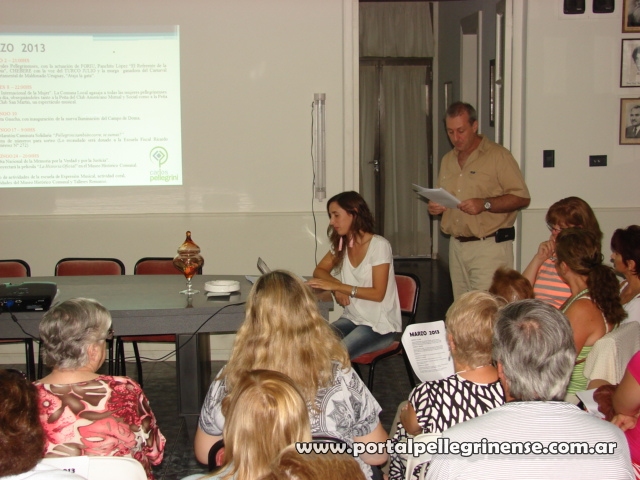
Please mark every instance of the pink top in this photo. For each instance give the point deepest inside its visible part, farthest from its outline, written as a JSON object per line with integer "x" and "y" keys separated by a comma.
{"x": 107, "y": 416}
{"x": 633, "y": 435}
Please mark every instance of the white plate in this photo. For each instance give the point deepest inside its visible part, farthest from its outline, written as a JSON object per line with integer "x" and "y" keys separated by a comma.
{"x": 222, "y": 286}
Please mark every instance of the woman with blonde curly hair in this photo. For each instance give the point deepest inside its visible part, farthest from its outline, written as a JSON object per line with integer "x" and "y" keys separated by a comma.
{"x": 284, "y": 331}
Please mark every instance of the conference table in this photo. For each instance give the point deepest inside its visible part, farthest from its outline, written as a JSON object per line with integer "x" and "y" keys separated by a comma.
{"x": 152, "y": 304}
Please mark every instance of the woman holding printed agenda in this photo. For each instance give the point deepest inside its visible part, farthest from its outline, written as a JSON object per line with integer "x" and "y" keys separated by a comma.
{"x": 366, "y": 286}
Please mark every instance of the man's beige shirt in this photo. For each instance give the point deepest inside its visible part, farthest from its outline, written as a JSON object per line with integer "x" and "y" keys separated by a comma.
{"x": 490, "y": 171}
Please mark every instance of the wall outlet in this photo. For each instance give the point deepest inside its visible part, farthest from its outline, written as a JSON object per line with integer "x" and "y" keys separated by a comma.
{"x": 548, "y": 158}
{"x": 597, "y": 160}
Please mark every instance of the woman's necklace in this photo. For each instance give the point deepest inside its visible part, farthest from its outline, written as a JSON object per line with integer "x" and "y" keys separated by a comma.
{"x": 472, "y": 369}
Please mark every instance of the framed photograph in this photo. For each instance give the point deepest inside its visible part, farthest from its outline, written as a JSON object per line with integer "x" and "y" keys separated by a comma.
{"x": 630, "y": 121}
{"x": 492, "y": 92}
{"x": 630, "y": 62}
{"x": 631, "y": 16}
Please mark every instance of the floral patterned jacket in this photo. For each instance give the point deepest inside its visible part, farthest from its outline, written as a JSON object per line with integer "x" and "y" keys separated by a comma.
{"x": 107, "y": 416}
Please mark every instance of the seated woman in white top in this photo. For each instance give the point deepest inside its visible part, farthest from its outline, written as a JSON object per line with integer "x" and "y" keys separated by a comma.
{"x": 367, "y": 286}
{"x": 625, "y": 256}
{"x": 284, "y": 331}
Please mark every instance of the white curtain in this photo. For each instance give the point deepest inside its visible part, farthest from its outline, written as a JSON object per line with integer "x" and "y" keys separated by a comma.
{"x": 369, "y": 85}
{"x": 399, "y": 29}
{"x": 396, "y": 29}
{"x": 406, "y": 220}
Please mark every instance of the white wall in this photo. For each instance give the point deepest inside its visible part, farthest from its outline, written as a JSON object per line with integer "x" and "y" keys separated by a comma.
{"x": 249, "y": 72}
{"x": 572, "y": 101}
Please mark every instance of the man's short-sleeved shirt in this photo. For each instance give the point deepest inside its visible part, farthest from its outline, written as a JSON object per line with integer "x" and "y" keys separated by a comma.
{"x": 490, "y": 171}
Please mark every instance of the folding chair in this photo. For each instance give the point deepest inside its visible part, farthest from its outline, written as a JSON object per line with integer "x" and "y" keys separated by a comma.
{"x": 409, "y": 294}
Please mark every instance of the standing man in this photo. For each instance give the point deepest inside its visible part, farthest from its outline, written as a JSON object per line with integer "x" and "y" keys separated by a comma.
{"x": 487, "y": 180}
{"x": 535, "y": 434}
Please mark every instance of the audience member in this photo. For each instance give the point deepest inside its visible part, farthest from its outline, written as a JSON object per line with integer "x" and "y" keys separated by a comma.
{"x": 83, "y": 412}
{"x": 265, "y": 413}
{"x": 626, "y": 405}
{"x": 534, "y": 350}
{"x": 21, "y": 435}
{"x": 594, "y": 306}
{"x": 367, "y": 286}
{"x": 473, "y": 390}
{"x": 291, "y": 465}
{"x": 284, "y": 331}
{"x": 625, "y": 245}
{"x": 541, "y": 271}
{"x": 510, "y": 285}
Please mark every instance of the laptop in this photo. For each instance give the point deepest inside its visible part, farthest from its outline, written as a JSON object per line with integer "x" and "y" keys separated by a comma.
{"x": 263, "y": 267}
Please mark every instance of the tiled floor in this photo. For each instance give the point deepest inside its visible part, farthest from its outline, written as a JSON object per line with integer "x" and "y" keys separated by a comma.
{"x": 390, "y": 388}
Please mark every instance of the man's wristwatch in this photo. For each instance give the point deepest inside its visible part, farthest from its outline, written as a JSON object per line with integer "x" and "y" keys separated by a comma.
{"x": 487, "y": 205}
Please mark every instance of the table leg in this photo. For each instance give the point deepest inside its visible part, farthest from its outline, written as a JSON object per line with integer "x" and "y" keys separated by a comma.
{"x": 193, "y": 371}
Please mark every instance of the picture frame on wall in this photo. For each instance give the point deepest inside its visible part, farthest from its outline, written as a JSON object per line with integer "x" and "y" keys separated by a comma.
{"x": 630, "y": 62}
{"x": 631, "y": 16}
{"x": 630, "y": 121}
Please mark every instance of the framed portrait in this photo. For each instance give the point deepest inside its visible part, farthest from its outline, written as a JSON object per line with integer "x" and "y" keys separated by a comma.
{"x": 630, "y": 121}
{"x": 630, "y": 62}
{"x": 631, "y": 16}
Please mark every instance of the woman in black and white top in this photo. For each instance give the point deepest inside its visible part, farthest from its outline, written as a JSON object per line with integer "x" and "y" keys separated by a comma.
{"x": 472, "y": 391}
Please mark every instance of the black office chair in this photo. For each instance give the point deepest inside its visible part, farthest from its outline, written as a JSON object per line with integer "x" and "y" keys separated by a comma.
{"x": 408, "y": 294}
{"x": 19, "y": 269}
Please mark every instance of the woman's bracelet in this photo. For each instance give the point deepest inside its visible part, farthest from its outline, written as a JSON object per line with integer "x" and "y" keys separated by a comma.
{"x": 354, "y": 291}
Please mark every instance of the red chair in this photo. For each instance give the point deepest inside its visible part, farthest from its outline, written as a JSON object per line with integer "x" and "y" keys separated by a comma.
{"x": 68, "y": 267}
{"x": 20, "y": 268}
{"x": 409, "y": 294}
{"x": 73, "y": 267}
{"x": 146, "y": 266}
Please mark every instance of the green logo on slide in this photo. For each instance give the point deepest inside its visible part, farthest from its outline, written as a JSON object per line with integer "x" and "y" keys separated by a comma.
{"x": 159, "y": 155}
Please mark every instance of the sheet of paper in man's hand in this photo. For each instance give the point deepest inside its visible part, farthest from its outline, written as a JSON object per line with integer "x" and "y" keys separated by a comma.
{"x": 438, "y": 195}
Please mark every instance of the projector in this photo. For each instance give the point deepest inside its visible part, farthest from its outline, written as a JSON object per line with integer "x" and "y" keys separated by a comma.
{"x": 27, "y": 296}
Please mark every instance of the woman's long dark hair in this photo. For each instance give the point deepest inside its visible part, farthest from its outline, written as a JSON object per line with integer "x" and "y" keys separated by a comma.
{"x": 353, "y": 203}
{"x": 580, "y": 250}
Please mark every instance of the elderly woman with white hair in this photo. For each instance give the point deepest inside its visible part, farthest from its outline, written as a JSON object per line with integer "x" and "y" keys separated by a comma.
{"x": 81, "y": 411}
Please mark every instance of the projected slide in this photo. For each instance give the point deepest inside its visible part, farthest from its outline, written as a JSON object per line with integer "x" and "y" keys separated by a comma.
{"x": 90, "y": 109}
